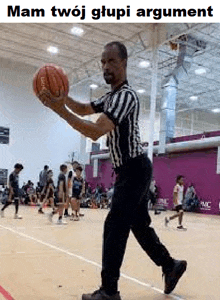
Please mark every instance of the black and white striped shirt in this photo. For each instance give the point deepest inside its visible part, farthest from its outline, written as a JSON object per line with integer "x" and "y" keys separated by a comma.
{"x": 122, "y": 107}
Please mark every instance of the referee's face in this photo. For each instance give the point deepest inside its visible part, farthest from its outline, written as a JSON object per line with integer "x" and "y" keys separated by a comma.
{"x": 113, "y": 66}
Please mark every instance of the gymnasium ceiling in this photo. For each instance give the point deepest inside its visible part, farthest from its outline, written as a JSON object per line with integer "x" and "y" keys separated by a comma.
{"x": 80, "y": 56}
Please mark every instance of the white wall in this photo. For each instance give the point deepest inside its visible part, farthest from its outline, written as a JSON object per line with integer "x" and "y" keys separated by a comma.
{"x": 187, "y": 123}
{"x": 37, "y": 135}
{"x": 144, "y": 123}
{"x": 196, "y": 122}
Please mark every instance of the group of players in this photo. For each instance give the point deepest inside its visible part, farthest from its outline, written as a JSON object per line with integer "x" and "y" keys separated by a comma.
{"x": 69, "y": 191}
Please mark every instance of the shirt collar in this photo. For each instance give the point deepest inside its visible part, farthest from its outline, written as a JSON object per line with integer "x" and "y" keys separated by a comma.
{"x": 119, "y": 86}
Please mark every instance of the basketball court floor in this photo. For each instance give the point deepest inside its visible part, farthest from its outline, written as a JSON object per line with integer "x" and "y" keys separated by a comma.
{"x": 44, "y": 261}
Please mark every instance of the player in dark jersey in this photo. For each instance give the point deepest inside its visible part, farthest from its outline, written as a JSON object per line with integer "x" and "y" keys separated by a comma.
{"x": 78, "y": 188}
{"x": 13, "y": 190}
{"x": 48, "y": 192}
{"x": 62, "y": 195}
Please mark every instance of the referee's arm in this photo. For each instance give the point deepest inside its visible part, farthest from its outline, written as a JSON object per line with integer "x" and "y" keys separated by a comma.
{"x": 88, "y": 128}
{"x": 55, "y": 103}
{"x": 79, "y": 108}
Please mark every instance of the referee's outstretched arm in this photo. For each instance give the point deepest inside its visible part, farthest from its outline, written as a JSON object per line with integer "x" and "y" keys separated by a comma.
{"x": 88, "y": 128}
{"x": 85, "y": 127}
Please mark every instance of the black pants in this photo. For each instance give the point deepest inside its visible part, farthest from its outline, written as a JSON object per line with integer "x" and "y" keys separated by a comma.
{"x": 129, "y": 211}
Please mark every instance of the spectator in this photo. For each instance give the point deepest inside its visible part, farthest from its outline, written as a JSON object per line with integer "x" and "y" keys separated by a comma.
{"x": 153, "y": 196}
{"x": 88, "y": 190}
{"x": 98, "y": 194}
{"x": 110, "y": 192}
{"x": 1, "y": 191}
{"x": 26, "y": 188}
{"x": 31, "y": 192}
{"x": 191, "y": 201}
{"x": 38, "y": 192}
{"x": 5, "y": 194}
{"x": 43, "y": 177}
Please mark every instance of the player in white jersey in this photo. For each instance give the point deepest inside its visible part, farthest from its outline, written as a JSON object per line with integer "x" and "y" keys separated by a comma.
{"x": 178, "y": 202}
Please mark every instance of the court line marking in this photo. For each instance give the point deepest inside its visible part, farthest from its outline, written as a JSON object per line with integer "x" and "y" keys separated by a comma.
{"x": 5, "y": 294}
{"x": 88, "y": 261}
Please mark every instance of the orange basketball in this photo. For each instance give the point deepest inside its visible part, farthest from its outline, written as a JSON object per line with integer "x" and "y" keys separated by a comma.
{"x": 53, "y": 78}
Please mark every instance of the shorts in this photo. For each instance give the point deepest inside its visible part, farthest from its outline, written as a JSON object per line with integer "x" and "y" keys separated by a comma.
{"x": 178, "y": 208}
{"x": 15, "y": 194}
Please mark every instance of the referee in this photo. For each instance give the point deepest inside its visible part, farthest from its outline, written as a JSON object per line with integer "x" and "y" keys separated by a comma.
{"x": 119, "y": 110}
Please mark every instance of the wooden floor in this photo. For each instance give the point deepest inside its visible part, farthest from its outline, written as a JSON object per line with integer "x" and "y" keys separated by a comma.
{"x": 44, "y": 261}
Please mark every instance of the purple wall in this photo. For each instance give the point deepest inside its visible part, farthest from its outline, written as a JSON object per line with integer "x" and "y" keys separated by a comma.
{"x": 198, "y": 167}
{"x": 104, "y": 178}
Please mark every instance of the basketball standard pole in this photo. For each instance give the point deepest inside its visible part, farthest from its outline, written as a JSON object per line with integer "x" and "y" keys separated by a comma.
{"x": 153, "y": 94}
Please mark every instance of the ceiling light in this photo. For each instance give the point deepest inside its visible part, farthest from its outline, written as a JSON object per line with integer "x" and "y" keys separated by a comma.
{"x": 77, "y": 31}
{"x": 144, "y": 64}
{"x": 200, "y": 71}
{"x": 52, "y": 50}
{"x": 216, "y": 110}
{"x": 141, "y": 91}
{"x": 193, "y": 98}
{"x": 93, "y": 86}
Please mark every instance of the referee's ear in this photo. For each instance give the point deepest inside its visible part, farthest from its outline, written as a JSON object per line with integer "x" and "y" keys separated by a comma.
{"x": 125, "y": 61}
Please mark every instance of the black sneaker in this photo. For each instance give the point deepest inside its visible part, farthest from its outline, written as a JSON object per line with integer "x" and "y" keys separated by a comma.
{"x": 67, "y": 215}
{"x": 40, "y": 211}
{"x": 101, "y": 295}
{"x": 173, "y": 276}
{"x": 181, "y": 228}
{"x": 166, "y": 220}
